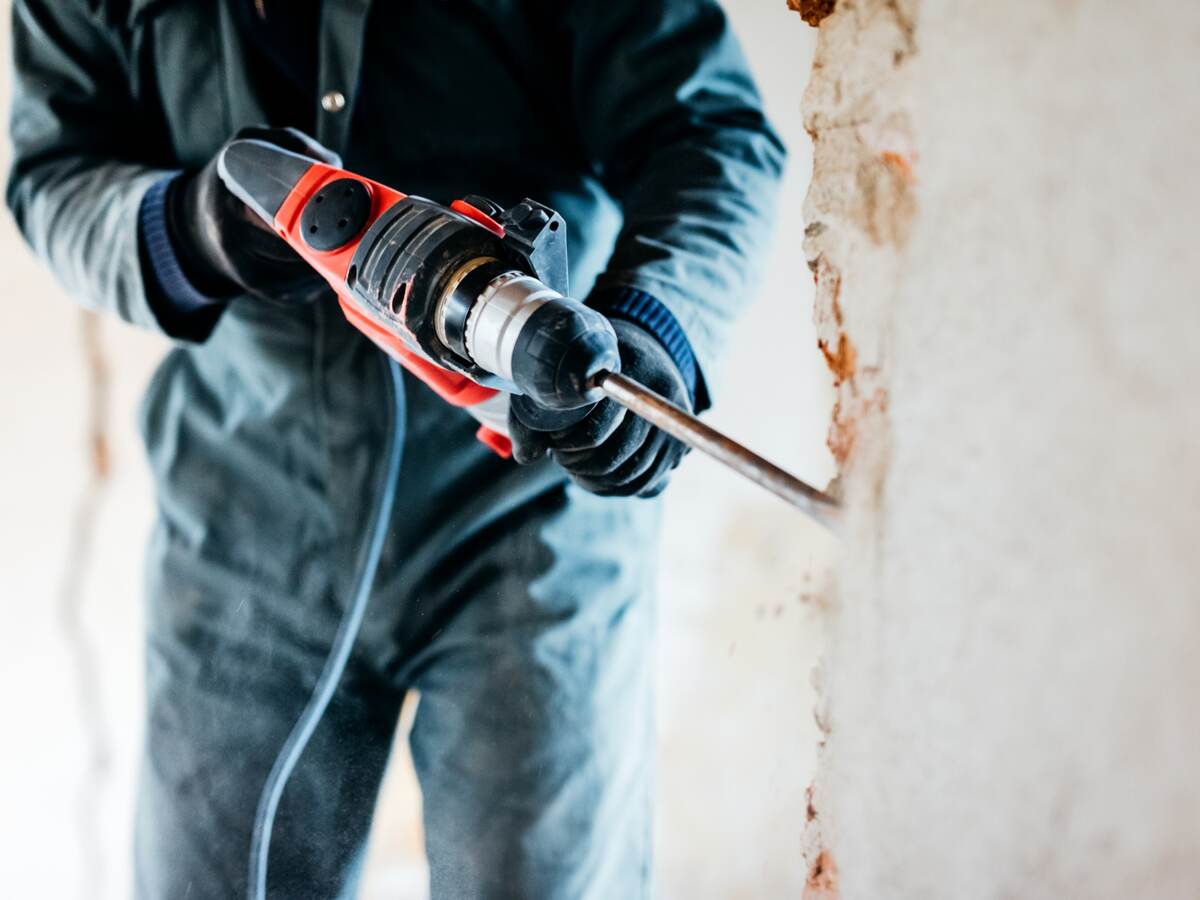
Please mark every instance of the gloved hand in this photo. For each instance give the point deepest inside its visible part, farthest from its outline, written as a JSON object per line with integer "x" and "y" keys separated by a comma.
{"x": 223, "y": 247}
{"x": 613, "y": 452}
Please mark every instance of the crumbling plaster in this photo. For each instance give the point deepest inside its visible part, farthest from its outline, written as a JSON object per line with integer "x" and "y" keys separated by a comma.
{"x": 1002, "y": 225}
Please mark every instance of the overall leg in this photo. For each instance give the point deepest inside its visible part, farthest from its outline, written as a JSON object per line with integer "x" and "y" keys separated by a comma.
{"x": 251, "y": 570}
{"x": 229, "y": 670}
{"x": 533, "y": 740}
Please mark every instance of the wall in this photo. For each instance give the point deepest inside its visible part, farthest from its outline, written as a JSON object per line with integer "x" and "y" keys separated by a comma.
{"x": 738, "y": 622}
{"x": 1002, "y": 221}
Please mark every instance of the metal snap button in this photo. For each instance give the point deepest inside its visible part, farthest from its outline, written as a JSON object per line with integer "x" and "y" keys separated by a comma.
{"x": 333, "y": 101}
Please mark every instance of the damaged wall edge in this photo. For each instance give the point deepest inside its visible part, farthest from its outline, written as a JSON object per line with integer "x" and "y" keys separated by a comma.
{"x": 859, "y": 211}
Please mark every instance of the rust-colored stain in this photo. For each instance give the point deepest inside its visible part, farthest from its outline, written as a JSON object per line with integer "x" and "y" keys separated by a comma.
{"x": 811, "y": 598}
{"x": 822, "y": 881}
{"x": 99, "y": 449}
{"x": 900, "y": 165}
{"x": 843, "y": 432}
{"x": 841, "y": 356}
{"x": 101, "y": 456}
{"x": 812, "y": 11}
{"x": 842, "y": 360}
{"x": 886, "y": 198}
{"x": 828, "y": 281}
{"x": 841, "y": 437}
{"x": 810, "y": 811}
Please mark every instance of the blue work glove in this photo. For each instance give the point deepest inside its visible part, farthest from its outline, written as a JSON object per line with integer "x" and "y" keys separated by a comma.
{"x": 613, "y": 452}
{"x": 226, "y": 249}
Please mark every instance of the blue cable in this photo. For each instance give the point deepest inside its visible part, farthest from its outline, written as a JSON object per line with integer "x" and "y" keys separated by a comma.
{"x": 335, "y": 663}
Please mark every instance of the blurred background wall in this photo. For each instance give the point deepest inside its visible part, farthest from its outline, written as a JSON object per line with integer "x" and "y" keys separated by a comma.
{"x": 740, "y": 585}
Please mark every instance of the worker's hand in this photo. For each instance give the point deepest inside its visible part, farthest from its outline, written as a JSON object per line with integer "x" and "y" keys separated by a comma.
{"x": 223, "y": 247}
{"x": 613, "y": 452}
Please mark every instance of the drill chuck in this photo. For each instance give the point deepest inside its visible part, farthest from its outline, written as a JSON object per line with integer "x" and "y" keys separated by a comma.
{"x": 511, "y": 324}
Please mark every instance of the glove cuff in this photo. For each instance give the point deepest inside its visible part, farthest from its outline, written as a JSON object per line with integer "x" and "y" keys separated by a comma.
{"x": 647, "y": 312}
{"x": 183, "y": 309}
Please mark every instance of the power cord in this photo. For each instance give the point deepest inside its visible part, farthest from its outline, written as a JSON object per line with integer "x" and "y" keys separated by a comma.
{"x": 335, "y": 663}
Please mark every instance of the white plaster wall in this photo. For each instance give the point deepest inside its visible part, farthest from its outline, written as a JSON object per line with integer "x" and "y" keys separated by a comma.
{"x": 1010, "y": 689}
{"x": 739, "y": 578}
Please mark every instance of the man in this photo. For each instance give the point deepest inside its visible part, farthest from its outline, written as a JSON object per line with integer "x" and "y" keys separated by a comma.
{"x": 517, "y": 600}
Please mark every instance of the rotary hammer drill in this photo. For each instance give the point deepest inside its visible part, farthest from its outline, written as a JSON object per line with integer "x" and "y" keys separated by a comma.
{"x": 471, "y": 299}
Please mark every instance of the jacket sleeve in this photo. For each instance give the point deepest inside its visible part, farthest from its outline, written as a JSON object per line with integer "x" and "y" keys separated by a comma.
{"x": 75, "y": 185}
{"x": 668, "y": 110}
